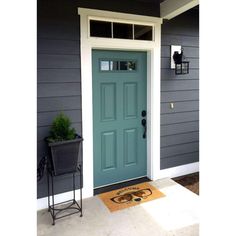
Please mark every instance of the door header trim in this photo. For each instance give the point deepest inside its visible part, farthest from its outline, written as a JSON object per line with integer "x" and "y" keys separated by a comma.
{"x": 118, "y": 16}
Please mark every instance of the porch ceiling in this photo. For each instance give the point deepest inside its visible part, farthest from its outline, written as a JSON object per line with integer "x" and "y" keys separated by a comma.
{"x": 172, "y": 8}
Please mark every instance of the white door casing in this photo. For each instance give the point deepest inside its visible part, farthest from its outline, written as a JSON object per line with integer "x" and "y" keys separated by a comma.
{"x": 153, "y": 49}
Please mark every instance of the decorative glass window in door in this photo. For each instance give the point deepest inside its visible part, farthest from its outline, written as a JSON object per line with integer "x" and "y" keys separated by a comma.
{"x": 118, "y": 65}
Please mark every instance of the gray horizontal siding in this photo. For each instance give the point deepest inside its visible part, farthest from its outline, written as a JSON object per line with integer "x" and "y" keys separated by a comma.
{"x": 184, "y": 40}
{"x": 167, "y": 74}
{"x": 58, "y": 61}
{"x": 178, "y": 160}
{"x": 180, "y": 85}
{"x": 181, "y": 138}
{"x": 58, "y": 89}
{"x": 191, "y": 51}
{"x": 45, "y": 118}
{"x": 58, "y": 28}
{"x": 55, "y": 46}
{"x": 179, "y": 128}
{"x": 62, "y": 184}
{"x": 179, "y": 96}
{"x": 193, "y": 63}
{"x": 60, "y": 178}
{"x": 42, "y": 150}
{"x": 49, "y": 104}
{"x": 179, "y": 149}
{"x": 182, "y": 106}
{"x": 180, "y": 125}
{"x": 179, "y": 117}
{"x": 58, "y": 75}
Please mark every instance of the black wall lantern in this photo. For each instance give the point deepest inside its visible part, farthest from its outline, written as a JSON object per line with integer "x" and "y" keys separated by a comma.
{"x": 178, "y": 61}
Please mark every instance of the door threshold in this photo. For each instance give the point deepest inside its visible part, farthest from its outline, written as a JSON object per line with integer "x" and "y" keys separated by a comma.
{"x": 124, "y": 184}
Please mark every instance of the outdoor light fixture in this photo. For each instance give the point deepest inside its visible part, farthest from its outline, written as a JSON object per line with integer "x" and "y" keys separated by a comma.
{"x": 177, "y": 60}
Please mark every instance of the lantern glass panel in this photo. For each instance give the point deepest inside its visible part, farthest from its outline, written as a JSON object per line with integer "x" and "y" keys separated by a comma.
{"x": 182, "y": 68}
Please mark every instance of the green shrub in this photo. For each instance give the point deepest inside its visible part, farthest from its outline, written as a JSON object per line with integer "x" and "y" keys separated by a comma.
{"x": 61, "y": 130}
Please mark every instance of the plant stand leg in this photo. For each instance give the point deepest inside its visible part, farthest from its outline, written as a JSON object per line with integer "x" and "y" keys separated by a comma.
{"x": 74, "y": 188}
{"x": 53, "y": 212}
{"x": 80, "y": 177}
{"x": 48, "y": 190}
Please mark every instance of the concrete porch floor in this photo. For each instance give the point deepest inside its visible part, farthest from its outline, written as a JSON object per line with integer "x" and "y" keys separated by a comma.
{"x": 176, "y": 214}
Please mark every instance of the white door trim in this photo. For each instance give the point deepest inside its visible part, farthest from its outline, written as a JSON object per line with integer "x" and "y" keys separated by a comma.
{"x": 153, "y": 49}
{"x": 179, "y": 170}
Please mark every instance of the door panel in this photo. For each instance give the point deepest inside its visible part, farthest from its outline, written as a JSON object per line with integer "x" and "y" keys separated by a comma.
{"x": 130, "y": 100}
{"x": 108, "y": 153}
{"x": 119, "y": 96}
{"x": 108, "y": 101}
{"x": 130, "y": 147}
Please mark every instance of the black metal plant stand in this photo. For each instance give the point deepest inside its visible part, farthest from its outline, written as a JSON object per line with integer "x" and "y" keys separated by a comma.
{"x": 72, "y": 203}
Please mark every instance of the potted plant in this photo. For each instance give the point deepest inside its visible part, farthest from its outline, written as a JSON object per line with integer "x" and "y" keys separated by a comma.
{"x": 64, "y": 145}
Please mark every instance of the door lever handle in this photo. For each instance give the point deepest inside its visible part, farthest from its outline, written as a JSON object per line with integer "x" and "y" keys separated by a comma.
{"x": 144, "y": 124}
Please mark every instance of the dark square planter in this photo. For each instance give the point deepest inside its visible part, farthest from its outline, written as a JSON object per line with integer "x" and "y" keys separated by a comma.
{"x": 65, "y": 156}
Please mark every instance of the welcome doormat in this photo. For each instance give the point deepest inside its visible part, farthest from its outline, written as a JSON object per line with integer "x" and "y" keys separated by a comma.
{"x": 130, "y": 196}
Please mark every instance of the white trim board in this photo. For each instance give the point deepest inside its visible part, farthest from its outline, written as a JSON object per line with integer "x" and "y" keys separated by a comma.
{"x": 179, "y": 170}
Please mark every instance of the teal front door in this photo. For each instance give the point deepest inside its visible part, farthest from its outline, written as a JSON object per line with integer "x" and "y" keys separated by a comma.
{"x": 119, "y": 106}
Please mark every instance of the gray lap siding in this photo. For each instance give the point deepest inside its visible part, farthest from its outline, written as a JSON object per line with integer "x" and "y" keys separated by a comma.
{"x": 180, "y": 126}
{"x": 58, "y": 82}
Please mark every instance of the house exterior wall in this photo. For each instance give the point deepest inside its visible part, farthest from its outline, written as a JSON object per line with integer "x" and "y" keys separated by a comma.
{"x": 180, "y": 126}
{"x": 59, "y": 83}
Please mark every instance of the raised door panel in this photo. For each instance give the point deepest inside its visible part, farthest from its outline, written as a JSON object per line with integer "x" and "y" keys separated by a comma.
{"x": 108, "y": 101}
{"x": 130, "y": 147}
{"x": 108, "y": 151}
{"x": 130, "y": 100}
